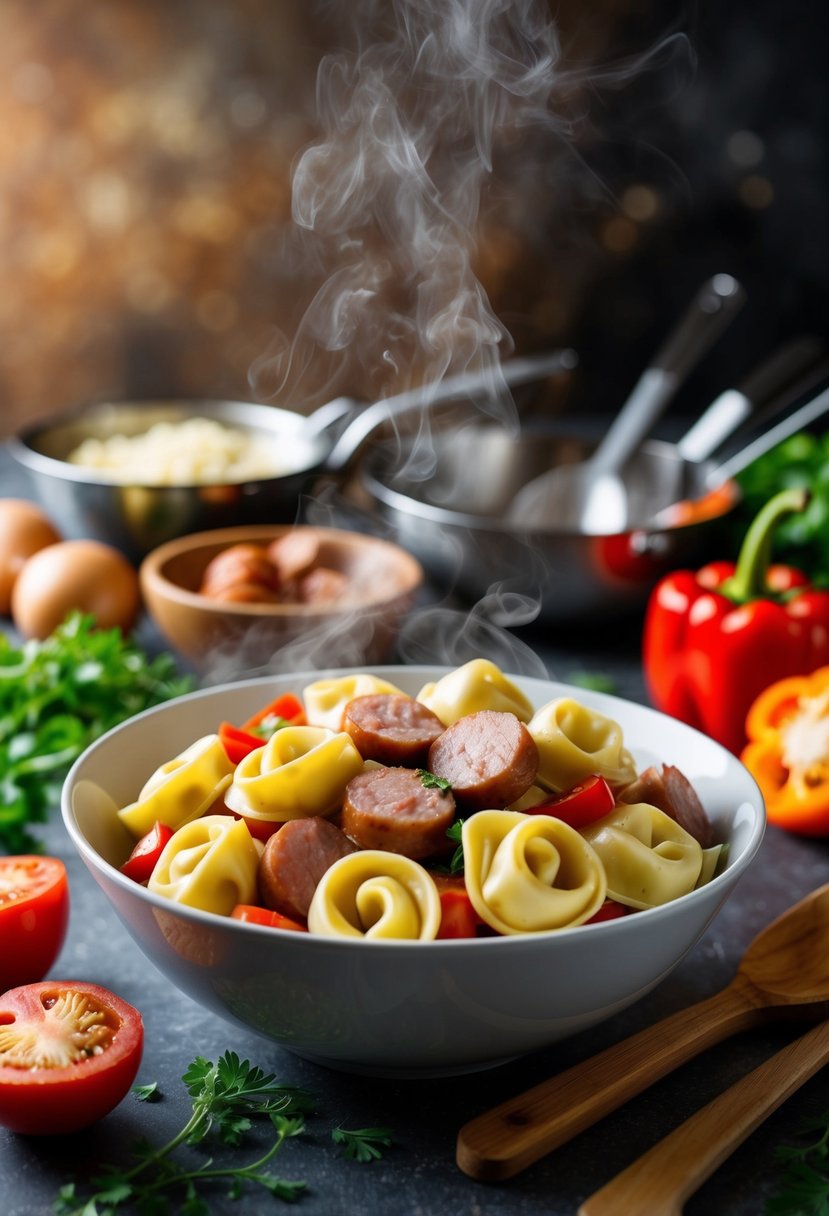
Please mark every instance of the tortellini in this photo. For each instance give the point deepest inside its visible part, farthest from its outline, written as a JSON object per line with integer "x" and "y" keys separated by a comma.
{"x": 526, "y": 873}
{"x": 373, "y": 894}
{"x": 575, "y": 742}
{"x": 477, "y": 685}
{"x": 182, "y": 789}
{"x": 209, "y": 864}
{"x": 325, "y": 700}
{"x": 301, "y": 771}
{"x": 648, "y": 858}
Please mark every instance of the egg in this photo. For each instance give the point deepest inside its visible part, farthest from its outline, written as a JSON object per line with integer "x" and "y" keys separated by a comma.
{"x": 24, "y": 529}
{"x": 75, "y": 574}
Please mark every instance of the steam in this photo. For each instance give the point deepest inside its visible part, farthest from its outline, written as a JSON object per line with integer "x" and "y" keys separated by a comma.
{"x": 412, "y": 119}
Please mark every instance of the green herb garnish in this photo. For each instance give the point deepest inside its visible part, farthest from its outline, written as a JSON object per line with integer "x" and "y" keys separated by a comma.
{"x": 455, "y": 833}
{"x": 430, "y": 782}
{"x": 364, "y": 1144}
{"x": 804, "y": 1187}
{"x": 226, "y": 1096}
{"x": 268, "y": 726}
{"x": 595, "y": 681}
{"x": 56, "y": 697}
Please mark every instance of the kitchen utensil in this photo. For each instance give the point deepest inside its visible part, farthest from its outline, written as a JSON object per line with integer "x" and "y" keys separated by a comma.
{"x": 659, "y": 1182}
{"x": 783, "y": 973}
{"x": 595, "y": 493}
{"x": 401, "y": 1007}
{"x": 137, "y": 518}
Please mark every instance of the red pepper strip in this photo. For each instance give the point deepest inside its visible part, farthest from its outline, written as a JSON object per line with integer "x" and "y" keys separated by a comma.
{"x": 715, "y": 639}
{"x": 591, "y": 799}
{"x": 254, "y": 915}
{"x": 238, "y": 743}
{"x": 141, "y": 861}
{"x": 609, "y": 910}
{"x": 286, "y": 710}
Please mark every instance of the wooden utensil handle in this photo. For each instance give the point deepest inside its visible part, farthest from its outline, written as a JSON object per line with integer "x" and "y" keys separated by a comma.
{"x": 507, "y": 1139}
{"x": 659, "y": 1182}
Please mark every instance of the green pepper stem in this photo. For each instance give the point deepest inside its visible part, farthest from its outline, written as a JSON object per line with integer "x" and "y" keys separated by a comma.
{"x": 749, "y": 579}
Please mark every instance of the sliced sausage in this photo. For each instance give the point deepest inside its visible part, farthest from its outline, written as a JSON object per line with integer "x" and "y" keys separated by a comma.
{"x": 294, "y": 553}
{"x": 322, "y": 586}
{"x": 392, "y": 728}
{"x": 243, "y": 563}
{"x": 391, "y": 809}
{"x": 671, "y": 791}
{"x": 294, "y": 861}
{"x": 490, "y": 759}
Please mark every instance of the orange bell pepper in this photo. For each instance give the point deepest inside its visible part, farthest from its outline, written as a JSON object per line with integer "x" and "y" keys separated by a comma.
{"x": 788, "y": 752}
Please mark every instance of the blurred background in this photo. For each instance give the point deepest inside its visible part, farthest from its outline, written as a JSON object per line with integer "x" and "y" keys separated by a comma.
{"x": 146, "y": 155}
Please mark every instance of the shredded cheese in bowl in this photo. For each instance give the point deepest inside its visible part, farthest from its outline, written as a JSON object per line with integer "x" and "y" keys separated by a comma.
{"x": 196, "y": 451}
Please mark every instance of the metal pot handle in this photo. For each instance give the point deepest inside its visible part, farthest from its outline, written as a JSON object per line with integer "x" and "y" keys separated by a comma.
{"x": 369, "y": 418}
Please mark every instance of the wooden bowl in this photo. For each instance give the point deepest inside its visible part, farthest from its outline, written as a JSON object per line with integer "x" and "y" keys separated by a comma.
{"x": 229, "y": 639}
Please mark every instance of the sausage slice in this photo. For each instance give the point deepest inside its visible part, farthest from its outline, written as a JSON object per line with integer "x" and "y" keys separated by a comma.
{"x": 391, "y": 809}
{"x": 391, "y": 728}
{"x": 295, "y": 859}
{"x": 671, "y": 791}
{"x": 490, "y": 759}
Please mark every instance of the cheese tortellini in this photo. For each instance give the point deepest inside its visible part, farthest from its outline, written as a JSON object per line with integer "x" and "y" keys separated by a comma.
{"x": 325, "y": 700}
{"x": 526, "y": 873}
{"x": 210, "y": 864}
{"x": 301, "y": 771}
{"x": 575, "y": 742}
{"x": 373, "y": 894}
{"x": 182, "y": 789}
{"x": 648, "y": 858}
{"x": 477, "y": 685}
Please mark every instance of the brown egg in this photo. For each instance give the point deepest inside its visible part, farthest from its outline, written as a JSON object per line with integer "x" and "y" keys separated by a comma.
{"x": 24, "y": 529}
{"x": 75, "y": 574}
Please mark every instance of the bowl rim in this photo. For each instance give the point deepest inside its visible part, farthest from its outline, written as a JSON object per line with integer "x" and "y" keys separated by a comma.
{"x": 723, "y": 882}
{"x": 152, "y": 578}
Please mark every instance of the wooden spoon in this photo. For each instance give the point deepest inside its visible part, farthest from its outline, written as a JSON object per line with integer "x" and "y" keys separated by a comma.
{"x": 784, "y": 972}
{"x": 659, "y": 1182}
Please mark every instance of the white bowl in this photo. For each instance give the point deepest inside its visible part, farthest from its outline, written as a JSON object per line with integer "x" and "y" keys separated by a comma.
{"x": 403, "y": 1008}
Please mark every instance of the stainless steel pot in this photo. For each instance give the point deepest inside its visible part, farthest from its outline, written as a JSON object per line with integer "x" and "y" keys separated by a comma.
{"x": 138, "y": 517}
{"x": 453, "y": 516}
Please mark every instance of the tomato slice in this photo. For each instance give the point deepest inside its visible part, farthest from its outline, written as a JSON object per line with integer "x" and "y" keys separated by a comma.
{"x": 458, "y": 918}
{"x": 141, "y": 861}
{"x": 34, "y": 913}
{"x": 255, "y": 915}
{"x": 610, "y": 910}
{"x": 591, "y": 799}
{"x": 286, "y": 710}
{"x": 69, "y": 1052}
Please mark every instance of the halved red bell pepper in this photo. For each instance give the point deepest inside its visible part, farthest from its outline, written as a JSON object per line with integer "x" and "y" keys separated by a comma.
{"x": 714, "y": 639}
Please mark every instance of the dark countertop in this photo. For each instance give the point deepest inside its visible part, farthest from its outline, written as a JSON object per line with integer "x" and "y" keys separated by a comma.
{"x": 418, "y": 1177}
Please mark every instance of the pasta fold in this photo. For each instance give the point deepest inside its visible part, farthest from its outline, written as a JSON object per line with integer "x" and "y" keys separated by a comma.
{"x": 210, "y": 864}
{"x": 526, "y": 873}
{"x": 649, "y": 859}
{"x": 476, "y": 685}
{"x": 325, "y": 700}
{"x": 182, "y": 789}
{"x": 301, "y": 771}
{"x": 374, "y": 894}
{"x": 575, "y": 742}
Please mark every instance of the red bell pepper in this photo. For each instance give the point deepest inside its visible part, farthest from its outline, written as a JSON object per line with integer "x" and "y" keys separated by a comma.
{"x": 238, "y": 743}
{"x": 286, "y": 710}
{"x": 584, "y": 803}
{"x": 141, "y": 861}
{"x": 714, "y": 639}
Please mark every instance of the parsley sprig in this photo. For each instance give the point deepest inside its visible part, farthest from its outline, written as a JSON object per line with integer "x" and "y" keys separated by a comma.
{"x": 56, "y": 697}
{"x": 363, "y": 1144}
{"x": 226, "y": 1097}
{"x": 804, "y": 1186}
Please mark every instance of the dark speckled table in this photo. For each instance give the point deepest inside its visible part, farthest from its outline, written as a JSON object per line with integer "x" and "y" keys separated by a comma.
{"x": 418, "y": 1177}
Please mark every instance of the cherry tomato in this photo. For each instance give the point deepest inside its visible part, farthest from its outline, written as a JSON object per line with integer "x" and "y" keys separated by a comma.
{"x": 584, "y": 803}
{"x": 34, "y": 912}
{"x": 69, "y": 1052}
{"x": 255, "y": 915}
{"x": 141, "y": 861}
{"x": 458, "y": 918}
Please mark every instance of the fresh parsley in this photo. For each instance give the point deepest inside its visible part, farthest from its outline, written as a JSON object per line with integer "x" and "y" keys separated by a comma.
{"x": 804, "y": 1186}
{"x": 430, "y": 782}
{"x": 56, "y": 697}
{"x": 455, "y": 833}
{"x": 365, "y": 1144}
{"x": 594, "y": 681}
{"x": 226, "y": 1097}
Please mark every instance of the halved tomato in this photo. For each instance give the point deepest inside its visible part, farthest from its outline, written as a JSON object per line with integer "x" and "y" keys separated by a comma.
{"x": 69, "y": 1052}
{"x": 34, "y": 913}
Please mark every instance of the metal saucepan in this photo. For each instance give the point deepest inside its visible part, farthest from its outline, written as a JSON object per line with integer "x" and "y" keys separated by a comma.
{"x": 455, "y": 520}
{"x": 138, "y": 517}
